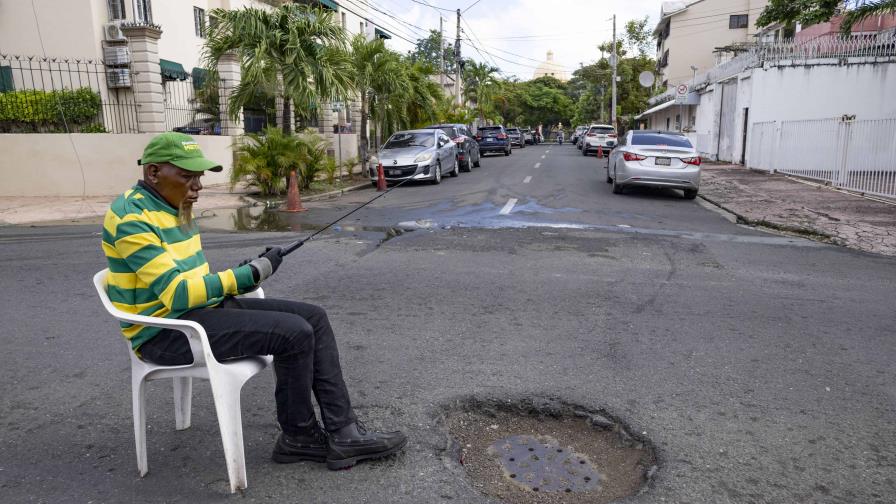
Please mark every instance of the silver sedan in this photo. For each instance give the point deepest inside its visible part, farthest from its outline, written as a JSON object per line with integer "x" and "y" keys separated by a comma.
{"x": 424, "y": 154}
{"x": 657, "y": 159}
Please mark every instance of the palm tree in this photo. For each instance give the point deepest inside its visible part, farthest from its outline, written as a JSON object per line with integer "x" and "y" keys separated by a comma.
{"x": 295, "y": 52}
{"x": 376, "y": 73}
{"x": 421, "y": 105}
{"x": 480, "y": 86}
{"x": 866, "y": 10}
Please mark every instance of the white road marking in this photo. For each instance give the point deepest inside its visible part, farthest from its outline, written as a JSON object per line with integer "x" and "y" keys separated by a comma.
{"x": 508, "y": 206}
{"x": 542, "y": 157}
{"x": 527, "y": 180}
{"x": 537, "y": 165}
{"x": 547, "y": 151}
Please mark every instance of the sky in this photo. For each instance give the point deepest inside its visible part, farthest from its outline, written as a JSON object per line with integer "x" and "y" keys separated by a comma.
{"x": 515, "y": 35}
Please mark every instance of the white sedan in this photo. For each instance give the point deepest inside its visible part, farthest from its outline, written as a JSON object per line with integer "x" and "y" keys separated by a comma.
{"x": 657, "y": 159}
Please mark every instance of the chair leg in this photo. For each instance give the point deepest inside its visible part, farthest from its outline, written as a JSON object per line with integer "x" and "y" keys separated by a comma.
{"x": 183, "y": 400}
{"x": 227, "y": 406}
{"x": 138, "y": 390}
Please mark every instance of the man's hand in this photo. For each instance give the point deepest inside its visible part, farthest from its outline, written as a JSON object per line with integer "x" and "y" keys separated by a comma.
{"x": 266, "y": 264}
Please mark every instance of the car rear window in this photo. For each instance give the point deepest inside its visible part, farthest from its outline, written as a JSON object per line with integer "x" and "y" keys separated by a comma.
{"x": 660, "y": 139}
{"x": 451, "y": 132}
{"x": 489, "y": 131}
{"x": 512, "y": 130}
{"x": 602, "y": 130}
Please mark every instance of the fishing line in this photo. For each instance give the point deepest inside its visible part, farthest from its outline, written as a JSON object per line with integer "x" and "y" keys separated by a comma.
{"x": 62, "y": 114}
{"x": 288, "y": 249}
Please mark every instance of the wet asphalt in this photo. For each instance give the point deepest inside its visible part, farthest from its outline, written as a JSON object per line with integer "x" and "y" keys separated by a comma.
{"x": 760, "y": 366}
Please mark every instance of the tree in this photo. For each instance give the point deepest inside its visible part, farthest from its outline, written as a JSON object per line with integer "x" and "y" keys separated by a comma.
{"x": 376, "y": 72}
{"x": 295, "y": 52}
{"x": 809, "y": 12}
{"x": 480, "y": 85}
{"x": 427, "y": 50}
{"x": 638, "y": 36}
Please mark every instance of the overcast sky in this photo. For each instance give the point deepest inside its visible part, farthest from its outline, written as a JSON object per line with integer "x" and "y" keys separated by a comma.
{"x": 571, "y": 28}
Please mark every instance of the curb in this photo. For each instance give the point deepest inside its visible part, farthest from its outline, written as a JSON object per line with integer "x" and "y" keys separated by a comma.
{"x": 802, "y": 232}
{"x": 315, "y": 197}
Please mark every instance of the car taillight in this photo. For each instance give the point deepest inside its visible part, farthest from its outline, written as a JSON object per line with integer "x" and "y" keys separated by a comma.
{"x": 611, "y": 135}
{"x": 628, "y": 156}
{"x": 459, "y": 140}
{"x": 591, "y": 134}
{"x": 502, "y": 136}
{"x": 692, "y": 160}
{"x": 478, "y": 137}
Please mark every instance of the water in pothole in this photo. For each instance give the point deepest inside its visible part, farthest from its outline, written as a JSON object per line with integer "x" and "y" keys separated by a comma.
{"x": 522, "y": 456}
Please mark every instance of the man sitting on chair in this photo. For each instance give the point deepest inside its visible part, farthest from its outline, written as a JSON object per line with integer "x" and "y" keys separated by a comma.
{"x": 157, "y": 268}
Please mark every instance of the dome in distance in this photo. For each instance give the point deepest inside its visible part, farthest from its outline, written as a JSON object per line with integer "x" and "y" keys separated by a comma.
{"x": 551, "y": 69}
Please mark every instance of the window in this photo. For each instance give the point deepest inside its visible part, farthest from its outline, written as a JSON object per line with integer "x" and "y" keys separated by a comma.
{"x": 116, "y": 10}
{"x": 362, "y": 27}
{"x": 143, "y": 11}
{"x": 344, "y": 22}
{"x": 664, "y": 139}
{"x": 199, "y": 21}
{"x": 212, "y": 22}
{"x": 738, "y": 21}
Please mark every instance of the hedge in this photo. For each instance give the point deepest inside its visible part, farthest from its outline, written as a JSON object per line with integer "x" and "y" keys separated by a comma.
{"x": 32, "y": 107}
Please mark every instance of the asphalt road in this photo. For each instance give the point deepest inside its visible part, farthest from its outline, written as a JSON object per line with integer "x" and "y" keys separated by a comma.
{"x": 760, "y": 366}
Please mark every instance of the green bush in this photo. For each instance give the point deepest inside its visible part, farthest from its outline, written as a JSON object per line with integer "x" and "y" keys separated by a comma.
{"x": 265, "y": 160}
{"x": 32, "y": 108}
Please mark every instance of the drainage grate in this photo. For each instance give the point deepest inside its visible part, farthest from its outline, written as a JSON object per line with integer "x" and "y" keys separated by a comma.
{"x": 542, "y": 465}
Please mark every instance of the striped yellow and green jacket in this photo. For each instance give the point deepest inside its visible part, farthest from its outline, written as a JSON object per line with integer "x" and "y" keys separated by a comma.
{"x": 155, "y": 267}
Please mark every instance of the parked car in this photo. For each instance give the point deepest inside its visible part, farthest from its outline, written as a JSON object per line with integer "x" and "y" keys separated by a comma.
{"x": 599, "y": 136}
{"x": 528, "y": 139}
{"x": 516, "y": 137}
{"x": 467, "y": 147}
{"x": 493, "y": 139}
{"x": 655, "y": 158}
{"x": 424, "y": 154}
{"x": 200, "y": 127}
{"x": 577, "y": 135}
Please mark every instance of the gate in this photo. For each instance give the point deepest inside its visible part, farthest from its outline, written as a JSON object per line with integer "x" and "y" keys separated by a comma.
{"x": 855, "y": 155}
{"x": 727, "y": 125}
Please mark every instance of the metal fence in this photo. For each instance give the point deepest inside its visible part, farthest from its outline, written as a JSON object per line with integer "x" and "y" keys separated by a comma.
{"x": 855, "y": 155}
{"x": 195, "y": 107}
{"x": 48, "y": 95}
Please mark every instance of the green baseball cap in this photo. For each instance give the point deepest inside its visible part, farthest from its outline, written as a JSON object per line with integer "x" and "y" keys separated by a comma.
{"x": 178, "y": 149}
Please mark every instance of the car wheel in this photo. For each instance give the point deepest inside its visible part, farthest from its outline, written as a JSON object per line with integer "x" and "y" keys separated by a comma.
{"x": 584, "y": 152}
{"x": 456, "y": 171}
{"x": 476, "y": 163}
{"x": 609, "y": 178}
{"x": 690, "y": 193}
{"x": 617, "y": 188}
{"x": 374, "y": 184}
{"x": 438, "y": 178}
{"x": 507, "y": 152}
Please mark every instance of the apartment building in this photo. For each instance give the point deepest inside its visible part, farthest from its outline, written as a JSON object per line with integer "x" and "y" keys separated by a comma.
{"x": 696, "y": 35}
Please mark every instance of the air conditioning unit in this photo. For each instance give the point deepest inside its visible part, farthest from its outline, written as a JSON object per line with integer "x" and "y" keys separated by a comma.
{"x": 118, "y": 78}
{"x": 113, "y": 33}
{"x": 117, "y": 55}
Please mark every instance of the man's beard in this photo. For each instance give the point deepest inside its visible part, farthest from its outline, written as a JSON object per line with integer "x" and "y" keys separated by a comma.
{"x": 185, "y": 216}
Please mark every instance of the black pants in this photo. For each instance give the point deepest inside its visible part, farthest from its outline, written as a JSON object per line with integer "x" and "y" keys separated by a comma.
{"x": 299, "y": 337}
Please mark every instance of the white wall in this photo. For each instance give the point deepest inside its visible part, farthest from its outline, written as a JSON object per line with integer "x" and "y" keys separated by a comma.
{"x": 45, "y": 164}
{"x": 787, "y": 93}
{"x": 68, "y": 28}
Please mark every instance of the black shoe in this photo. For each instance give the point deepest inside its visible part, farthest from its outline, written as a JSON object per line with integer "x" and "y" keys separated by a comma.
{"x": 311, "y": 446}
{"x": 352, "y": 444}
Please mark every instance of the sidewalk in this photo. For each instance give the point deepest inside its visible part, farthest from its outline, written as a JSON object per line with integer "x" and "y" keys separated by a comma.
{"x": 799, "y": 207}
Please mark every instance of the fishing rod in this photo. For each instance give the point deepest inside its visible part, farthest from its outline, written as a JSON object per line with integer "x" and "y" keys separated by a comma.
{"x": 292, "y": 247}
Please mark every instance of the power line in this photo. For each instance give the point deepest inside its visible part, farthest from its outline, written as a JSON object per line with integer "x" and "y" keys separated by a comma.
{"x": 433, "y": 6}
{"x": 471, "y": 6}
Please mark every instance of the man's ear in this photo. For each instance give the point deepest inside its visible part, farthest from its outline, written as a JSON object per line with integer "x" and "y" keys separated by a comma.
{"x": 151, "y": 172}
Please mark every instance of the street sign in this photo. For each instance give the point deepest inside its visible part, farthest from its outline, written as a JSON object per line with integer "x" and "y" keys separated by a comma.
{"x": 681, "y": 94}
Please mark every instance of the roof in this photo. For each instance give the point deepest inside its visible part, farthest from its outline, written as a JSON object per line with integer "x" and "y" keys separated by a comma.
{"x": 670, "y": 9}
{"x": 659, "y": 107}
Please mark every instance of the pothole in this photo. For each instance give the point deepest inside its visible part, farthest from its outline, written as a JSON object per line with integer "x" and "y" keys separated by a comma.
{"x": 527, "y": 454}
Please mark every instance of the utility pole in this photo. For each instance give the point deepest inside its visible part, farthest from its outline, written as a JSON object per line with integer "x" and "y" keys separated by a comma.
{"x": 615, "y": 62}
{"x": 457, "y": 97}
{"x": 442, "y": 52}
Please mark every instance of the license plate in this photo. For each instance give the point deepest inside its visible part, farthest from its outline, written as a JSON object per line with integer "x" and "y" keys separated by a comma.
{"x": 394, "y": 172}
{"x": 663, "y": 161}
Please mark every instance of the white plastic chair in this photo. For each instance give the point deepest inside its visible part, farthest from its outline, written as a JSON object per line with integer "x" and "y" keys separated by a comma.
{"x": 226, "y": 379}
